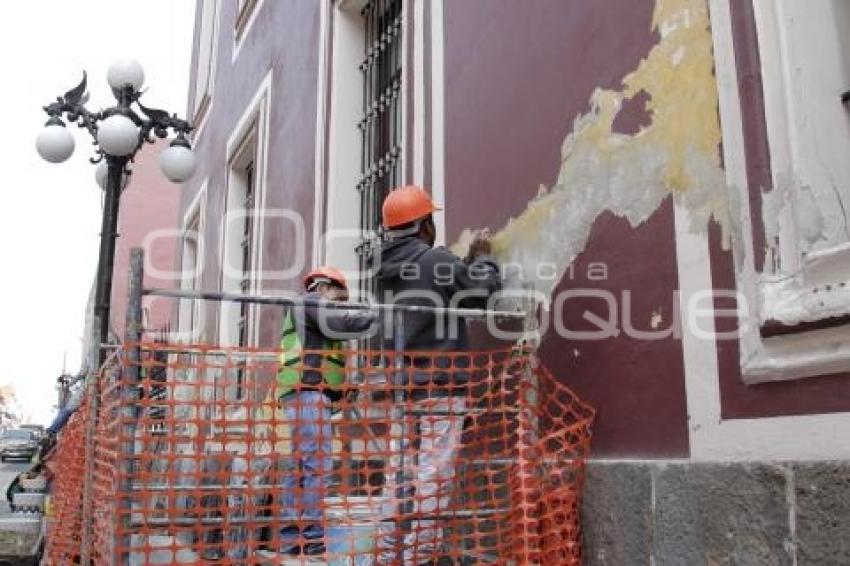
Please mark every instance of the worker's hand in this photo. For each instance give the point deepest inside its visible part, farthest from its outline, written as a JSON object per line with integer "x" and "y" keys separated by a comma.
{"x": 479, "y": 246}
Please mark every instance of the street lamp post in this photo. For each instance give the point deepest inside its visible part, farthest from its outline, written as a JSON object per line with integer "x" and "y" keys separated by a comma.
{"x": 119, "y": 132}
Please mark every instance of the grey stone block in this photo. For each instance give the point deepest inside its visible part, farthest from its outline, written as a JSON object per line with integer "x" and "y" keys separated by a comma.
{"x": 616, "y": 515}
{"x": 19, "y": 536}
{"x": 21, "y": 523}
{"x": 721, "y": 514}
{"x": 822, "y": 492}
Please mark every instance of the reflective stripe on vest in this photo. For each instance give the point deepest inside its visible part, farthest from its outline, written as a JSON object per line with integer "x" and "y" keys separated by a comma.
{"x": 289, "y": 374}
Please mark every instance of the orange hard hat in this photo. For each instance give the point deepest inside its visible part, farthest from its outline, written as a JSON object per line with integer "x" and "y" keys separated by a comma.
{"x": 406, "y": 204}
{"x": 326, "y": 272}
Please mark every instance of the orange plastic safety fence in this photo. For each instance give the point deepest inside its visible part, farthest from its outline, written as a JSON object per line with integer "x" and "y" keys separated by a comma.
{"x": 65, "y": 520}
{"x": 203, "y": 454}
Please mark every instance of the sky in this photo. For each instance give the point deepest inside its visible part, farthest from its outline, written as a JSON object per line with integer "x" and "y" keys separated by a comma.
{"x": 51, "y": 213}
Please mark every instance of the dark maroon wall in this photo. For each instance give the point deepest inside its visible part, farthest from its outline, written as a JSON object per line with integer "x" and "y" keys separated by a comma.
{"x": 636, "y": 385}
{"x": 517, "y": 74}
{"x": 751, "y": 92}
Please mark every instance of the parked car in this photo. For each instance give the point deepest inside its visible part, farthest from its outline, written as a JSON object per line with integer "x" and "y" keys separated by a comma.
{"x": 18, "y": 443}
{"x": 36, "y": 428}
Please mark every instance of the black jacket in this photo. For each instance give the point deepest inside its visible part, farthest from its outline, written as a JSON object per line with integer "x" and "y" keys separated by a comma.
{"x": 414, "y": 273}
{"x": 318, "y": 320}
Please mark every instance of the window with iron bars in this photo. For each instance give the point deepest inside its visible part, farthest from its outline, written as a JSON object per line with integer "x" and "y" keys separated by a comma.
{"x": 245, "y": 283}
{"x": 381, "y": 125}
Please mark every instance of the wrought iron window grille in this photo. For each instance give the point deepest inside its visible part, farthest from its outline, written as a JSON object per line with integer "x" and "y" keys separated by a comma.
{"x": 380, "y": 125}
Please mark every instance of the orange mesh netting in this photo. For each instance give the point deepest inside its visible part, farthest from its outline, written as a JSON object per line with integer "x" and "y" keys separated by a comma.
{"x": 429, "y": 458}
{"x": 67, "y": 465}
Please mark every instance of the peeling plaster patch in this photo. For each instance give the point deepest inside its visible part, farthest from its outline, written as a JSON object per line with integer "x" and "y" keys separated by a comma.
{"x": 789, "y": 301}
{"x": 678, "y": 56}
{"x": 671, "y": 19}
{"x": 792, "y": 208}
{"x": 773, "y": 204}
{"x": 736, "y": 227}
{"x": 630, "y": 175}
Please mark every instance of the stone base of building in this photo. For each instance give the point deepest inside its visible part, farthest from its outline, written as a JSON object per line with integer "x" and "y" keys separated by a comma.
{"x": 693, "y": 514}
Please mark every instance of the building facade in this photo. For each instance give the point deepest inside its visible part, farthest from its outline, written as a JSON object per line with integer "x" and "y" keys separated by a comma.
{"x": 668, "y": 177}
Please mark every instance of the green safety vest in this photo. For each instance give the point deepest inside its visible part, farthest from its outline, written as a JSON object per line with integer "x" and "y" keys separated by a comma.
{"x": 289, "y": 374}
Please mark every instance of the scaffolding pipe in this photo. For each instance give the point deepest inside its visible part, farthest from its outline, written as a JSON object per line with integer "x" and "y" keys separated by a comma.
{"x": 398, "y": 345}
{"x": 130, "y": 390}
{"x": 299, "y": 302}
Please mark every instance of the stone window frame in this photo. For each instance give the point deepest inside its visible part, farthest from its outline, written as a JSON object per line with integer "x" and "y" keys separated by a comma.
{"x": 803, "y": 291}
{"x": 248, "y": 142}
{"x": 246, "y": 15}
{"x": 192, "y": 232}
{"x": 205, "y": 63}
{"x": 794, "y": 324}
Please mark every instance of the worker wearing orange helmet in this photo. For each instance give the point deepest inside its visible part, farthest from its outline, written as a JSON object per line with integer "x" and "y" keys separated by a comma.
{"x": 310, "y": 378}
{"x": 410, "y": 263}
{"x": 414, "y": 272}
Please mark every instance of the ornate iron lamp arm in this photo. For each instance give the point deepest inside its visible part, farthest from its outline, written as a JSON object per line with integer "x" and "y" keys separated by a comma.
{"x": 71, "y": 105}
{"x": 159, "y": 122}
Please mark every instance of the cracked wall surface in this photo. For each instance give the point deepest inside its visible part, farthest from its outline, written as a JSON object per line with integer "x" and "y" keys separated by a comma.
{"x": 630, "y": 175}
{"x": 630, "y": 84}
{"x": 567, "y": 134}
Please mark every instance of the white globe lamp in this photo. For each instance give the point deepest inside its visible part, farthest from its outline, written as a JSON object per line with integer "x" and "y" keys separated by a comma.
{"x": 101, "y": 175}
{"x": 55, "y": 143}
{"x": 178, "y": 161}
{"x": 126, "y": 73}
{"x": 118, "y": 135}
